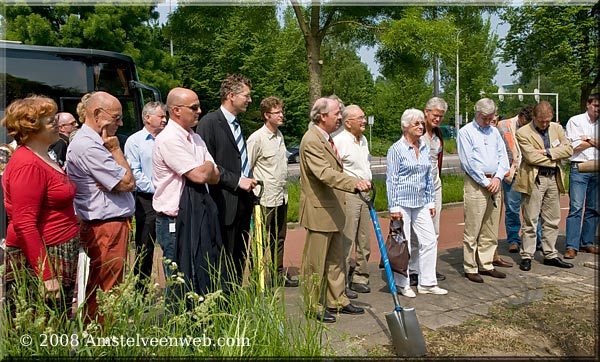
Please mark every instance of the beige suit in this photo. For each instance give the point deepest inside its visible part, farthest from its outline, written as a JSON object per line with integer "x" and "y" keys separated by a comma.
{"x": 322, "y": 184}
{"x": 540, "y": 193}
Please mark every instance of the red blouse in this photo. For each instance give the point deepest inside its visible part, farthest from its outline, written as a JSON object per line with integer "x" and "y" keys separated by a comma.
{"x": 39, "y": 204}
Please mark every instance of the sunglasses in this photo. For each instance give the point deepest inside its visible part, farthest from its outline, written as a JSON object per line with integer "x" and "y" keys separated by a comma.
{"x": 193, "y": 107}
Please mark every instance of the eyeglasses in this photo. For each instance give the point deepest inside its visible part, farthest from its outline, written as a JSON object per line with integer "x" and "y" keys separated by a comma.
{"x": 193, "y": 107}
{"x": 361, "y": 118}
{"x": 115, "y": 118}
{"x": 74, "y": 123}
{"x": 247, "y": 96}
{"x": 278, "y": 112}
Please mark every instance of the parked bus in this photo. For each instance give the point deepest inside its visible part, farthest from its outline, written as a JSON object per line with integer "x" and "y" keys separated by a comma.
{"x": 66, "y": 74}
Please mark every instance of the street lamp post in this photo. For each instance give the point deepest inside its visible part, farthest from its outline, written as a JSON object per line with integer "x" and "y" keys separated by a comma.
{"x": 457, "y": 97}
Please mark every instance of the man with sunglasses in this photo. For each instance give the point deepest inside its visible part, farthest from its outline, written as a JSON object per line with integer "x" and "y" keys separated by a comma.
{"x": 104, "y": 199}
{"x": 221, "y": 130}
{"x": 66, "y": 125}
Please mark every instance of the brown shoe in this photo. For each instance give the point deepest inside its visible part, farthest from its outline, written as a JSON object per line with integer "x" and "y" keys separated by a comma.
{"x": 570, "y": 254}
{"x": 588, "y": 249}
{"x": 513, "y": 248}
{"x": 474, "y": 277}
{"x": 493, "y": 273}
{"x": 502, "y": 263}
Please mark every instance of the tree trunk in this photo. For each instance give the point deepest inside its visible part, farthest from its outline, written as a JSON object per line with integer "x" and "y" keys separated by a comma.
{"x": 315, "y": 68}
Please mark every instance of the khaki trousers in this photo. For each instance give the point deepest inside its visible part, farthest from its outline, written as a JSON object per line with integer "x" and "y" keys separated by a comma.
{"x": 322, "y": 270}
{"x": 482, "y": 214}
{"x": 356, "y": 232}
{"x": 545, "y": 197}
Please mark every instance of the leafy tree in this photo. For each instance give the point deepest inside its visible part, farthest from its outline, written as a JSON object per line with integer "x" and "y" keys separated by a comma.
{"x": 560, "y": 42}
{"x": 320, "y": 20}
{"x": 131, "y": 30}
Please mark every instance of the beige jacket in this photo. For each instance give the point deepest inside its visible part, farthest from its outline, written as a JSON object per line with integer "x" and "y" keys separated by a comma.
{"x": 322, "y": 182}
{"x": 530, "y": 141}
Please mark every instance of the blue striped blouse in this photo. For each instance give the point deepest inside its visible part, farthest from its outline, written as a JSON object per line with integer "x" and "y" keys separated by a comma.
{"x": 409, "y": 180}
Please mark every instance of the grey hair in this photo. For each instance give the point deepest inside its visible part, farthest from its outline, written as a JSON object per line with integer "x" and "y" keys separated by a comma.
{"x": 436, "y": 103}
{"x": 411, "y": 114}
{"x": 349, "y": 109}
{"x": 485, "y": 106}
{"x": 150, "y": 108}
{"x": 321, "y": 106}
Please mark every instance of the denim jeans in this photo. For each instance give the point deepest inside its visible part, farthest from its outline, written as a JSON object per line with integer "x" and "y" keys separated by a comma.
{"x": 512, "y": 218}
{"x": 583, "y": 201}
{"x": 166, "y": 240}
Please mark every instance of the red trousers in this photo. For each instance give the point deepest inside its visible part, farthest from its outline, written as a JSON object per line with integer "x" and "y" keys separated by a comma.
{"x": 106, "y": 245}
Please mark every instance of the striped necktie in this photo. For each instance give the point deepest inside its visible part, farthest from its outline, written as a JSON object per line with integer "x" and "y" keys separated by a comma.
{"x": 239, "y": 140}
{"x": 335, "y": 152}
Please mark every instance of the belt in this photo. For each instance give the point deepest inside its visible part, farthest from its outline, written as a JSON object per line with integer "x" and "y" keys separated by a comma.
{"x": 576, "y": 162}
{"x": 112, "y": 219}
{"x": 547, "y": 171}
{"x": 489, "y": 175}
{"x": 165, "y": 215}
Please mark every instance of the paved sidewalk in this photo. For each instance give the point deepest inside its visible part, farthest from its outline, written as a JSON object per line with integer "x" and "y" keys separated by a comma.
{"x": 356, "y": 335}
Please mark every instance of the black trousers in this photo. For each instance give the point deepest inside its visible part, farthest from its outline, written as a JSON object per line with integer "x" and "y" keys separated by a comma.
{"x": 235, "y": 240}
{"x": 276, "y": 222}
{"x": 145, "y": 234}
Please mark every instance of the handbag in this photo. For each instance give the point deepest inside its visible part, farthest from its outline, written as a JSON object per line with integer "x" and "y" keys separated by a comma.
{"x": 396, "y": 247}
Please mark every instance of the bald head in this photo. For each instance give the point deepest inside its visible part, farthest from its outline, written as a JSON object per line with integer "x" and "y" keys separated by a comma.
{"x": 183, "y": 107}
{"x": 103, "y": 110}
{"x": 66, "y": 123}
{"x": 354, "y": 120}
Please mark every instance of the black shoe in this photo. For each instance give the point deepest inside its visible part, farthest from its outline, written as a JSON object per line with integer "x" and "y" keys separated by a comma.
{"x": 288, "y": 282}
{"x": 325, "y": 317}
{"x": 348, "y": 309}
{"x": 414, "y": 280}
{"x": 360, "y": 287}
{"x": 351, "y": 294}
{"x": 558, "y": 262}
{"x": 525, "y": 265}
{"x": 440, "y": 276}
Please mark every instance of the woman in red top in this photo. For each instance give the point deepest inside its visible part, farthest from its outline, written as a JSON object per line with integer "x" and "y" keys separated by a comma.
{"x": 43, "y": 234}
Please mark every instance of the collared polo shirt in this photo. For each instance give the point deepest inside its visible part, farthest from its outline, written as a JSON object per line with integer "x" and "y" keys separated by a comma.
{"x": 176, "y": 151}
{"x": 89, "y": 163}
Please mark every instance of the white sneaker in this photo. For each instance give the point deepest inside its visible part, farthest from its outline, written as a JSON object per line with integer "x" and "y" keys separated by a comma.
{"x": 431, "y": 290}
{"x": 406, "y": 291}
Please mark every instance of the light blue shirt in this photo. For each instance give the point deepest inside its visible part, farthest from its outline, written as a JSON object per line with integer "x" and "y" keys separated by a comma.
{"x": 138, "y": 151}
{"x": 409, "y": 180}
{"x": 482, "y": 151}
{"x": 89, "y": 163}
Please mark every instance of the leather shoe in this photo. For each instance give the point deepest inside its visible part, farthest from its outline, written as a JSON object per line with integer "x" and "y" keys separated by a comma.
{"x": 474, "y": 277}
{"x": 348, "y": 309}
{"x": 525, "y": 265}
{"x": 502, "y": 263}
{"x": 288, "y": 282}
{"x": 414, "y": 279}
{"x": 570, "y": 254}
{"x": 589, "y": 249}
{"x": 325, "y": 317}
{"x": 513, "y": 248}
{"x": 440, "y": 276}
{"x": 493, "y": 273}
{"x": 351, "y": 294}
{"x": 558, "y": 263}
{"x": 360, "y": 287}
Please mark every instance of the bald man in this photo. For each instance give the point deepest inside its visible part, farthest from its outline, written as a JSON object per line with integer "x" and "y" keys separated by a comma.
{"x": 66, "y": 125}
{"x": 104, "y": 199}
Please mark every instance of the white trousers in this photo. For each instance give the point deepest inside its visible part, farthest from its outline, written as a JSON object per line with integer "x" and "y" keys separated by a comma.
{"x": 422, "y": 223}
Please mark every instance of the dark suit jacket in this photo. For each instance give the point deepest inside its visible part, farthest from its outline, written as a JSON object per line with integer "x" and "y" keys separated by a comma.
{"x": 215, "y": 131}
